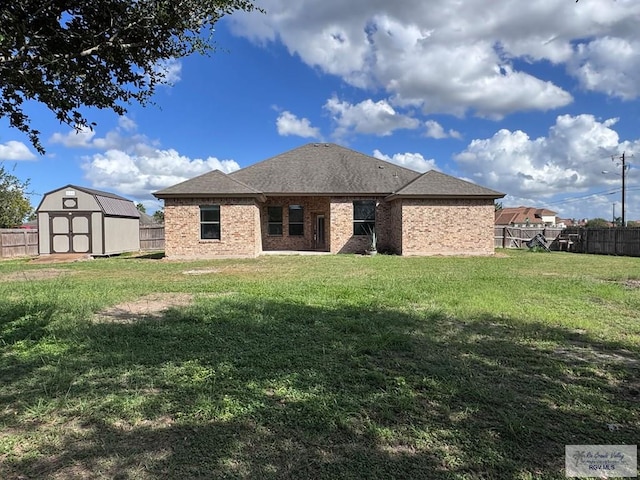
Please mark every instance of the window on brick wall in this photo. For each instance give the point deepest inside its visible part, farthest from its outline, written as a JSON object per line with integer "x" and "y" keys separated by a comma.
{"x": 364, "y": 217}
{"x": 296, "y": 220}
{"x": 210, "y": 222}
{"x": 275, "y": 221}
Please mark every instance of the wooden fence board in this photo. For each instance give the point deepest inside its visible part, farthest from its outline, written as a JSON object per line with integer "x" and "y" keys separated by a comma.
{"x": 517, "y": 237}
{"x": 152, "y": 237}
{"x": 18, "y": 242}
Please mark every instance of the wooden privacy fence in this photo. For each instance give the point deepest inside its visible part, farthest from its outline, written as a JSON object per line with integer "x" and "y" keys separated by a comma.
{"x": 623, "y": 241}
{"x": 151, "y": 237}
{"x": 517, "y": 237}
{"x": 18, "y": 242}
{"x": 604, "y": 241}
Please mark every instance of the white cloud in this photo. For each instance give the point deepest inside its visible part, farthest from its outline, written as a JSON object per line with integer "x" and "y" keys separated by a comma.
{"x": 569, "y": 159}
{"x": 610, "y": 65}
{"x": 414, "y": 161}
{"x": 170, "y": 70}
{"x": 85, "y": 137}
{"x": 75, "y": 138}
{"x": 447, "y": 57}
{"x": 140, "y": 175}
{"x": 14, "y": 150}
{"x": 289, "y": 124}
{"x": 435, "y": 130}
{"x": 136, "y": 166}
{"x": 368, "y": 117}
{"x": 126, "y": 124}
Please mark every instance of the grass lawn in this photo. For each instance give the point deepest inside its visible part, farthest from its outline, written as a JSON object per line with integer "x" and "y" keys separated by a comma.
{"x": 307, "y": 367}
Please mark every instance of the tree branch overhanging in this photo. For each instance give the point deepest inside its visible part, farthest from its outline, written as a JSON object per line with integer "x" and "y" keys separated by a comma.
{"x": 68, "y": 54}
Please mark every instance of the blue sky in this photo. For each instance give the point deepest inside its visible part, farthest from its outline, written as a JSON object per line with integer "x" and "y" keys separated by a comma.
{"x": 529, "y": 98}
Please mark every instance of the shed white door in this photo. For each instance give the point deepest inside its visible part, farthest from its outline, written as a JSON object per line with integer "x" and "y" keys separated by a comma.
{"x": 70, "y": 233}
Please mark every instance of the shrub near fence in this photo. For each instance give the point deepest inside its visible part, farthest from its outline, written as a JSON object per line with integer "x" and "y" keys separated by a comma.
{"x": 18, "y": 242}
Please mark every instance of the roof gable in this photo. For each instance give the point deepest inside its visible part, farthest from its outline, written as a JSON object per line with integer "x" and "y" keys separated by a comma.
{"x": 437, "y": 184}
{"x": 110, "y": 203}
{"x": 324, "y": 168}
{"x": 211, "y": 183}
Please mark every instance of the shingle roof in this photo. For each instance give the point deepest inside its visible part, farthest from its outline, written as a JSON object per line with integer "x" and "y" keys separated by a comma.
{"x": 325, "y": 169}
{"x": 110, "y": 203}
{"x": 211, "y": 183}
{"x": 437, "y": 184}
{"x": 518, "y": 215}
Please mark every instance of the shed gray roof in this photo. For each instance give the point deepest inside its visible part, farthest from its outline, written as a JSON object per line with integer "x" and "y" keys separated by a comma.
{"x": 111, "y": 204}
{"x": 325, "y": 169}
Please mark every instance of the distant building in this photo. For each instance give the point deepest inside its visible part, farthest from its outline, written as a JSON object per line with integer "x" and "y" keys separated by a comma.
{"x": 526, "y": 217}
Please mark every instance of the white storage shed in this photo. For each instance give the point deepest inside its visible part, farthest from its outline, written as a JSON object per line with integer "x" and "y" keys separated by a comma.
{"x": 76, "y": 219}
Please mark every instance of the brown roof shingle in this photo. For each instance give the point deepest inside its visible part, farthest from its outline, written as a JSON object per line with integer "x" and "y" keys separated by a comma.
{"x": 211, "y": 183}
{"x": 326, "y": 169}
{"x": 437, "y": 184}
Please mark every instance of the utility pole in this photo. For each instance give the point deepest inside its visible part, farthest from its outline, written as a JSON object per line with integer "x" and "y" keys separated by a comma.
{"x": 624, "y": 174}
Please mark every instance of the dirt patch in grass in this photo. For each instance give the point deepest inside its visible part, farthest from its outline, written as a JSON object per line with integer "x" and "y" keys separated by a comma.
{"x": 153, "y": 305}
{"x": 631, "y": 283}
{"x": 580, "y": 353}
{"x": 203, "y": 271}
{"x": 30, "y": 275}
{"x": 251, "y": 268}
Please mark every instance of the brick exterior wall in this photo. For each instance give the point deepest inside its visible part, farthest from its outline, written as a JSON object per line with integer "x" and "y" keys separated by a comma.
{"x": 404, "y": 226}
{"x": 395, "y": 231}
{"x": 341, "y": 228}
{"x": 239, "y": 225}
{"x": 312, "y": 207}
{"x": 447, "y": 227}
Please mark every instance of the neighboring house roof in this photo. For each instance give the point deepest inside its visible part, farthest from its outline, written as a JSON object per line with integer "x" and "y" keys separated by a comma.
{"x": 520, "y": 215}
{"x": 146, "y": 219}
{"x": 326, "y": 169}
{"x": 110, "y": 203}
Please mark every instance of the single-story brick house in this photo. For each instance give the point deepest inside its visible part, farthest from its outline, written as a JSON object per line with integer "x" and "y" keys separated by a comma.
{"x": 325, "y": 197}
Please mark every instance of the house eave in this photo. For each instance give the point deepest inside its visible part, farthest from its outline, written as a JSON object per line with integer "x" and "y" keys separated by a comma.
{"x": 326, "y": 194}
{"x": 258, "y": 196}
{"x": 396, "y": 196}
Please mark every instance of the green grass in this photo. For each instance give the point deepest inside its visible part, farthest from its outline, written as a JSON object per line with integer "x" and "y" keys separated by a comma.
{"x": 317, "y": 367}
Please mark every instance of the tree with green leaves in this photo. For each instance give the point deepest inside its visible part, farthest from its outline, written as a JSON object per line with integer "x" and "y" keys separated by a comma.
{"x": 14, "y": 204}
{"x": 158, "y": 216}
{"x": 597, "y": 223}
{"x": 106, "y": 54}
{"x": 141, "y": 208}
